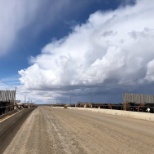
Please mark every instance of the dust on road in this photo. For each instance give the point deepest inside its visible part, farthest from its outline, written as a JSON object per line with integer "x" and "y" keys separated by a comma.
{"x": 63, "y": 131}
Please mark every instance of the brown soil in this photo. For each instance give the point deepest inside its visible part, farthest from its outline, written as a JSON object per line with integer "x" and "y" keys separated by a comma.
{"x": 64, "y": 131}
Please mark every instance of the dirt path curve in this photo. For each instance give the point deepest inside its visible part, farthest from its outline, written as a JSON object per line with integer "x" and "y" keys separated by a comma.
{"x": 63, "y": 131}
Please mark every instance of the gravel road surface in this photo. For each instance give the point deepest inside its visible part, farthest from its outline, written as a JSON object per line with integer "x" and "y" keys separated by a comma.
{"x": 50, "y": 130}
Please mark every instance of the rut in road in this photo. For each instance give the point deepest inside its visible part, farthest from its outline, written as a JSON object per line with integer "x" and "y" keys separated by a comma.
{"x": 42, "y": 133}
{"x": 65, "y": 131}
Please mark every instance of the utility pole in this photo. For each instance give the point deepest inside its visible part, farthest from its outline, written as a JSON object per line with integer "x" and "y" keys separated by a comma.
{"x": 70, "y": 100}
{"x": 25, "y": 99}
{"x": 90, "y": 95}
{"x": 14, "y": 105}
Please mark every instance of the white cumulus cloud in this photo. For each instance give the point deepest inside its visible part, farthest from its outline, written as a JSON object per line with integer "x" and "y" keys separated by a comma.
{"x": 111, "y": 46}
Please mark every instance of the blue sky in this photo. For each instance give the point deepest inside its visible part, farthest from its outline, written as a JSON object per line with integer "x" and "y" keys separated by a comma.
{"x": 51, "y": 50}
{"x": 29, "y": 41}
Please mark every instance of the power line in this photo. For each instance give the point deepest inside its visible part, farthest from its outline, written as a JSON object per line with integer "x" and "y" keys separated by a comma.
{"x": 5, "y": 82}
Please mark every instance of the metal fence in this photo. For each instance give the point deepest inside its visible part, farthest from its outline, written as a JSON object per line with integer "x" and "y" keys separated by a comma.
{"x": 143, "y": 107}
{"x": 7, "y": 100}
{"x": 7, "y": 95}
{"x": 137, "y": 98}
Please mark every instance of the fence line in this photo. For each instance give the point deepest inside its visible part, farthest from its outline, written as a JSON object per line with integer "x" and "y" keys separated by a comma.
{"x": 137, "y": 98}
{"x": 7, "y": 95}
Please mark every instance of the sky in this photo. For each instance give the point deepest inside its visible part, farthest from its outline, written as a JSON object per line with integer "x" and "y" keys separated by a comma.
{"x": 54, "y": 51}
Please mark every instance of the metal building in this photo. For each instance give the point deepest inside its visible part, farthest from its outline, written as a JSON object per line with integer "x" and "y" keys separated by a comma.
{"x": 137, "y": 98}
{"x": 7, "y": 100}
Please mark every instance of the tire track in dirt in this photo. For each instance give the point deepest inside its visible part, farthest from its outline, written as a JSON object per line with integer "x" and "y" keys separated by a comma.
{"x": 64, "y": 131}
{"x": 108, "y": 137}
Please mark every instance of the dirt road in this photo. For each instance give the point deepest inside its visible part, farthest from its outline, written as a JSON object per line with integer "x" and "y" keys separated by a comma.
{"x": 63, "y": 131}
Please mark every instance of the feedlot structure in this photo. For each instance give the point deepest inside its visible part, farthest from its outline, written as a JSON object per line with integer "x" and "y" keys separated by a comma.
{"x": 138, "y": 102}
{"x": 131, "y": 102}
{"x": 7, "y": 99}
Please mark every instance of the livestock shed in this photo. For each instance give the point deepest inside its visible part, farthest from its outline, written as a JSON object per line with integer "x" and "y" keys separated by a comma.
{"x": 99, "y": 105}
{"x": 138, "y": 98}
{"x": 7, "y": 100}
{"x": 83, "y": 104}
{"x": 138, "y": 102}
